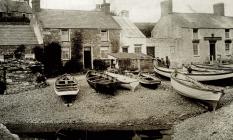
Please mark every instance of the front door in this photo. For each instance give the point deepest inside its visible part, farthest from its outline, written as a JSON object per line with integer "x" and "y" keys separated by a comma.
{"x": 212, "y": 51}
{"x": 87, "y": 58}
{"x": 150, "y": 51}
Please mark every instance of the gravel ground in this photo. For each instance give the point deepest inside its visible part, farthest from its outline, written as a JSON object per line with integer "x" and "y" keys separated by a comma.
{"x": 161, "y": 106}
{"x": 41, "y": 110}
{"x": 216, "y": 125}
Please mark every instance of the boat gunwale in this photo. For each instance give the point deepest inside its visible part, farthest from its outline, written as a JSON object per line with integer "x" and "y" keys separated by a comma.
{"x": 197, "y": 74}
{"x": 210, "y": 90}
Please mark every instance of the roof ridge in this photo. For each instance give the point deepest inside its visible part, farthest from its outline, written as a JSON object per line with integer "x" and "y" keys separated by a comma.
{"x": 72, "y": 10}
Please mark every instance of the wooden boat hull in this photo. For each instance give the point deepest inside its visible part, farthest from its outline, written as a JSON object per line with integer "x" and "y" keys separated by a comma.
{"x": 66, "y": 89}
{"x": 199, "y": 76}
{"x": 108, "y": 86}
{"x": 212, "y": 67}
{"x": 164, "y": 71}
{"x": 124, "y": 81}
{"x": 210, "y": 96}
{"x": 148, "y": 81}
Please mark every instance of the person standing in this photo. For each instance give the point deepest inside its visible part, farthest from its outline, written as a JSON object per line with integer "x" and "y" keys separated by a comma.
{"x": 167, "y": 62}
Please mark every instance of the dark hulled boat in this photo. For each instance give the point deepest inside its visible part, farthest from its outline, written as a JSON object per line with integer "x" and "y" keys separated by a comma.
{"x": 101, "y": 82}
{"x": 149, "y": 81}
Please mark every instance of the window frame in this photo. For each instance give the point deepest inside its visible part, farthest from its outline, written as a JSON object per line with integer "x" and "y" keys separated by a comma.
{"x": 102, "y": 55}
{"x": 138, "y": 47}
{"x": 107, "y": 35}
{"x": 68, "y": 38}
{"x": 227, "y": 51}
{"x": 65, "y": 49}
{"x": 125, "y": 47}
{"x": 227, "y": 33}
{"x": 197, "y": 49}
{"x": 172, "y": 50}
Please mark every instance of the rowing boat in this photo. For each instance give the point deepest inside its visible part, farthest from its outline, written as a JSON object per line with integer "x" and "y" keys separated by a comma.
{"x": 66, "y": 87}
{"x": 212, "y": 67}
{"x": 148, "y": 80}
{"x": 101, "y": 82}
{"x": 189, "y": 87}
{"x": 125, "y": 81}
{"x": 202, "y": 76}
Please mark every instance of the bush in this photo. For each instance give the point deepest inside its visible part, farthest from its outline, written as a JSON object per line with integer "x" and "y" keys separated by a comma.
{"x": 39, "y": 53}
{"x": 100, "y": 64}
{"x": 73, "y": 66}
{"x": 19, "y": 52}
{"x": 52, "y": 60}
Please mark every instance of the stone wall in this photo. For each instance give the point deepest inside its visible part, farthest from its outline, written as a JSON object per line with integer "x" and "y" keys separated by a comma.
{"x": 19, "y": 77}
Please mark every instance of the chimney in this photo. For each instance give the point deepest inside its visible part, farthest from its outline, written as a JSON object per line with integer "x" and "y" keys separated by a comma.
{"x": 219, "y": 9}
{"x": 124, "y": 13}
{"x": 36, "y": 6}
{"x": 98, "y": 7}
{"x": 105, "y": 7}
{"x": 166, "y": 7}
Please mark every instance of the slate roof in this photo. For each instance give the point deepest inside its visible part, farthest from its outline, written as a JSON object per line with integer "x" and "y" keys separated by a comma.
{"x": 76, "y": 19}
{"x": 17, "y": 35}
{"x": 129, "y": 29}
{"x": 15, "y": 6}
{"x": 201, "y": 20}
{"x": 130, "y": 56}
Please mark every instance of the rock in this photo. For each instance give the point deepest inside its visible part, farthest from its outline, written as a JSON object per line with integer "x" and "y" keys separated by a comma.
{"x": 5, "y": 134}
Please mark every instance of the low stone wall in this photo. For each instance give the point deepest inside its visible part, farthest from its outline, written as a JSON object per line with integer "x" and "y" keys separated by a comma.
{"x": 19, "y": 76}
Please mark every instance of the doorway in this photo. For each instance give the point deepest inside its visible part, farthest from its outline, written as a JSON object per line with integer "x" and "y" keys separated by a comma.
{"x": 87, "y": 58}
{"x": 212, "y": 51}
{"x": 150, "y": 51}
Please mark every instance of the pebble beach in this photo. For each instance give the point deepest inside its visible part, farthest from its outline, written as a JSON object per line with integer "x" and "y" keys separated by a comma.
{"x": 41, "y": 110}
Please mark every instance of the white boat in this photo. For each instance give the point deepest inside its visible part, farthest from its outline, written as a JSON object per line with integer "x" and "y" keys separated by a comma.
{"x": 66, "y": 85}
{"x": 202, "y": 76}
{"x": 189, "y": 87}
{"x": 125, "y": 81}
{"x": 212, "y": 67}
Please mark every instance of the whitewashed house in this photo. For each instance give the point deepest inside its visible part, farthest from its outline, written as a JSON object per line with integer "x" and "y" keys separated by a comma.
{"x": 132, "y": 40}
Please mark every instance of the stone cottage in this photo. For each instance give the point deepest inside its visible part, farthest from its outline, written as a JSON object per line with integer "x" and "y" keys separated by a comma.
{"x": 16, "y": 29}
{"x": 193, "y": 37}
{"x": 100, "y": 33}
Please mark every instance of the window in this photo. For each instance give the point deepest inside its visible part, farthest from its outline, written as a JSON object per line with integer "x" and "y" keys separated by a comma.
{"x": 104, "y": 50}
{"x": 138, "y": 50}
{"x": 195, "y": 33}
{"x": 172, "y": 49}
{"x": 65, "y": 53}
{"x": 227, "y": 33}
{"x": 227, "y": 48}
{"x": 65, "y": 35}
{"x": 104, "y": 35}
{"x": 125, "y": 49}
{"x": 195, "y": 49}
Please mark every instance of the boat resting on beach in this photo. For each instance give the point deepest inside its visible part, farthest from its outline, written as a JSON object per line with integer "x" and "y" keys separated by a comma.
{"x": 202, "y": 76}
{"x": 125, "y": 81}
{"x": 148, "y": 80}
{"x": 189, "y": 87}
{"x": 66, "y": 87}
{"x": 102, "y": 82}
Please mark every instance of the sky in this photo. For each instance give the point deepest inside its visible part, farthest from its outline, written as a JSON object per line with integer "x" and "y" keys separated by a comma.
{"x": 141, "y": 10}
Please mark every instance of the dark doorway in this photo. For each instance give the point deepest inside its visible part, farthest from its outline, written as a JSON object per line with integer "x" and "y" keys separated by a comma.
{"x": 212, "y": 51}
{"x": 150, "y": 51}
{"x": 87, "y": 58}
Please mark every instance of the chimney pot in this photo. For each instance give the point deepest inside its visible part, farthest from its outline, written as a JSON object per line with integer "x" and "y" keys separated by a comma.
{"x": 219, "y": 9}
{"x": 166, "y": 7}
{"x": 125, "y": 13}
{"x": 36, "y": 6}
